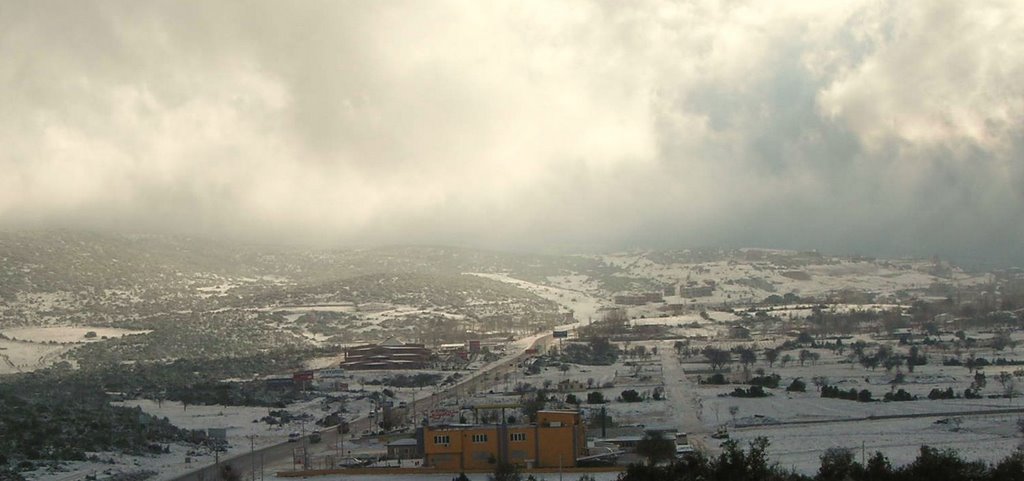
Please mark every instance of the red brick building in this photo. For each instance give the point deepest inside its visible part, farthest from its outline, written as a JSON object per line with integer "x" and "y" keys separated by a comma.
{"x": 389, "y": 354}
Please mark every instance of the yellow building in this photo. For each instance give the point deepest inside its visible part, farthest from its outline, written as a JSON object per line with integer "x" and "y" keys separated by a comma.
{"x": 558, "y": 438}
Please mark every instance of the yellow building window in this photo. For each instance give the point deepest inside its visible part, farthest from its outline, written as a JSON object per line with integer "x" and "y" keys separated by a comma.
{"x": 517, "y": 436}
{"x": 479, "y": 438}
{"x": 445, "y": 439}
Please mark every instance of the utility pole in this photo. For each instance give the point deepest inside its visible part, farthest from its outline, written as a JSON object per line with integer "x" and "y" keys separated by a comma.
{"x": 339, "y": 445}
{"x": 252, "y": 454}
{"x": 604, "y": 420}
{"x": 305, "y": 447}
{"x": 216, "y": 463}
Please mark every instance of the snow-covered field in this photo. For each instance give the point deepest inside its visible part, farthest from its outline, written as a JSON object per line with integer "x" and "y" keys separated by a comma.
{"x": 21, "y": 356}
{"x": 239, "y": 423}
{"x": 571, "y": 292}
{"x": 989, "y": 438}
{"x": 237, "y": 420}
{"x": 65, "y": 334}
{"x": 738, "y": 280}
{"x": 800, "y": 426}
{"x": 26, "y": 349}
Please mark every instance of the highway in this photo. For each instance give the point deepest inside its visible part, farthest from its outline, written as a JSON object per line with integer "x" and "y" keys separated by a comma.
{"x": 261, "y": 460}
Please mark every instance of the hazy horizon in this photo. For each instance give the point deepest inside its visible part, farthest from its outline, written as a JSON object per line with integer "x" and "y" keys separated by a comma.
{"x": 873, "y": 128}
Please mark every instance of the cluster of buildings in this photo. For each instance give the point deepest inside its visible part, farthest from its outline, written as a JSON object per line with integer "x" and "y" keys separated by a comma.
{"x": 638, "y": 299}
{"x": 393, "y": 354}
{"x": 704, "y": 290}
{"x": 556, "y": 439}
{"x": 689, "y": 290}
{"x": 390, "y": 354}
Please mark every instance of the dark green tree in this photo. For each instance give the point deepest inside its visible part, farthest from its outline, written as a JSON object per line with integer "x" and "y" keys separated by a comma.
{"x": 532, "y": 404}
{"x": 879, "y": 468}
{"x": 505, "y": 472}
{"x": 655, "y": 449}
{"x": 945, "y": 464}
{"x": 838, "y": 464}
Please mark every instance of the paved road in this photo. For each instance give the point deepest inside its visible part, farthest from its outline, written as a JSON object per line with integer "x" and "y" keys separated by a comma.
{"x": 263, "y": 459}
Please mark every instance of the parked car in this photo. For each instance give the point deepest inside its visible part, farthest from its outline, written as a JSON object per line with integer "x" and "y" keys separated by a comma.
{"x": 294, "y": 437}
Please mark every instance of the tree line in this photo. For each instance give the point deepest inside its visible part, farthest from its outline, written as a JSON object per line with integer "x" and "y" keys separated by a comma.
{"x": 837, "y": 464}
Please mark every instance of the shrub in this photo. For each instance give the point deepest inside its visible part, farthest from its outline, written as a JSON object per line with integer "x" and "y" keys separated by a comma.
{"x": 939, "y": 394}
{"x": 797, "y": 386}
{"x": 900, "y": 395}
{"x": 851, "y": 395}
{"x": 771, "y": 381}
{"x": 754, "y": 391}
{"x": 717, "y": 378}
{"x": 630, "y": 396}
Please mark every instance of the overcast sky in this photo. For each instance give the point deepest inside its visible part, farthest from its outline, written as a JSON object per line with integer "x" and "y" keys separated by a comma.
{"x": 866, "y": 127}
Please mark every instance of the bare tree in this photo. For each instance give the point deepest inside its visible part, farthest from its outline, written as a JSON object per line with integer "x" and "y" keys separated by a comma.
{"x": 747, "y": 356}
{"x": 805, "y": 355}
{"x": 718, "y": 358}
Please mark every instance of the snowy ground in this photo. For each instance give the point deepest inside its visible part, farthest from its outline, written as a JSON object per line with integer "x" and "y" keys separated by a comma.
{"x": 19, "y": 356}
{"x": 571, "y": 292}
{"x": 690, "y": 407}
{"x": 239, "y": 423}
{"x": 65, "y": 334}
{"x": 738, "y": 280}
{"x": 801, "y": 426}
{"x": 29, "y": 348}
{"x": 238, "y": 420}
{"x": 989, "y": 438}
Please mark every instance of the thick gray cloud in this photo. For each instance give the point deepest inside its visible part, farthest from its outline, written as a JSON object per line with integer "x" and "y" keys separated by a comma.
{"x": 877, "y": 127}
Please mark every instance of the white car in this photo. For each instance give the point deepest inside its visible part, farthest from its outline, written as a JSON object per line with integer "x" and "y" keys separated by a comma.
{"x": 294, "y": 437}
